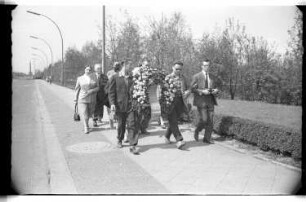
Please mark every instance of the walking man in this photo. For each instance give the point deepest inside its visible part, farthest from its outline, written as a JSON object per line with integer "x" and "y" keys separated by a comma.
{"x": 102, "y": 98}
{"x": 120, "y": 98}
{"x": 178, "y": 105}
{"x": 204, "y": 89}
{"x": 110, "y": 74}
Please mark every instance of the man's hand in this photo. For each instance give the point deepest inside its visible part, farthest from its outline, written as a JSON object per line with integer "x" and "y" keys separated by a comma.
{"x": 215, "y": 91}
{"x": 113, "y": 108}
{"x": 186, "y": 93}
{"x": 205, "y": 92}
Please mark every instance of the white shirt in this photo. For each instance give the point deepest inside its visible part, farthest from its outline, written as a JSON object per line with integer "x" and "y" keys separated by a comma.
{"x": 208, "y": 79}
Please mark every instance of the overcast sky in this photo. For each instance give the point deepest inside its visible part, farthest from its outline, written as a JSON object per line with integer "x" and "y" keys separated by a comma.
{"x": 78, "y": 24}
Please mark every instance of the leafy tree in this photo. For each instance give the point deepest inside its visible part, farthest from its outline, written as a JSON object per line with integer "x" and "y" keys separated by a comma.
{"x": 74, "y": 65}
{"x": 92, "y": 53}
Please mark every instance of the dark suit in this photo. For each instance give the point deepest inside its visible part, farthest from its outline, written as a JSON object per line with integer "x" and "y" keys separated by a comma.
{"x": 102, "y": 97}
{"x": 120, "y": 95}
{"x": 204, "y": 103}
{"x": 176, "y": 109}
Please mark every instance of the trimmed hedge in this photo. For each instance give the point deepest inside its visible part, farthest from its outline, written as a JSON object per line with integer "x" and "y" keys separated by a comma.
{"x": 264, "y": 135}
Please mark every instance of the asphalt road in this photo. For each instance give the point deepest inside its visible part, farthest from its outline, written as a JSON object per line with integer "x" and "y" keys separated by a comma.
{"x": 29, "y": 162}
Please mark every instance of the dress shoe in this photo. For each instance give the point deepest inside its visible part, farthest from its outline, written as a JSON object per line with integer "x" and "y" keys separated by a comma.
{"x": 134, "y": 150}
{"x": 196, "y": 136}
{"x": 119, "y": 144}
{"x": 180, "y": 144}
{"x": 95, "y": 124}
{"x": 209, "y": 141}
{"x": 167, "y": 141}
{"x": 145, "y": 132}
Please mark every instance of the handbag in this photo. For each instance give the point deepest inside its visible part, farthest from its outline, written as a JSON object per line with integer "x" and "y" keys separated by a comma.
{"x": 76, "y": 116}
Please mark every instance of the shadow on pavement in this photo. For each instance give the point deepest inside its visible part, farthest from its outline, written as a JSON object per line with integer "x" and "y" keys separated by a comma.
{"x": 189, "y": 144}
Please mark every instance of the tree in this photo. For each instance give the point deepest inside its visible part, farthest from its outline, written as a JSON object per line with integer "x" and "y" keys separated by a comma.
{"x": 92, "y": 53}
{"x": 168, "y": 40}
{"x": 129, "y": 45}
{"x": 232, "y": 53}
{"x": 74, "y": 65}
{"x": 294, "y": 58}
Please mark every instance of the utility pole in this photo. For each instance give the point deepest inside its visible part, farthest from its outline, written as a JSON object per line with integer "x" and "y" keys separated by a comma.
{"x": 30, "y": 72}
{"x": 103, "y": 39}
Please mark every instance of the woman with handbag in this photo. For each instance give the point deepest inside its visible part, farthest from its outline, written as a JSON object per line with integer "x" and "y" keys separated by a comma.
{"x": 86, "y": 91}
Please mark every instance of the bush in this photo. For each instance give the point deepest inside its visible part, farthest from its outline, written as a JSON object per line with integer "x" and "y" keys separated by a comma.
{"x": 265, "y": 135}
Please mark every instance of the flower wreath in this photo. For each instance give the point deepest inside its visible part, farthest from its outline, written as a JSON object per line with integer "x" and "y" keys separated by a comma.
{"x": 143, "y": 77}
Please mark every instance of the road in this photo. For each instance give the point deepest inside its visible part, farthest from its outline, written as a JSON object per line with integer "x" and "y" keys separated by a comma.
{"x": 52, "y": 155}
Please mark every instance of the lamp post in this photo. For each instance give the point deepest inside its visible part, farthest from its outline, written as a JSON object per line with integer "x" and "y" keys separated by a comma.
{"x": 34, "y": 48}
{"x": 41, "y": 58}
{"x": 38, "y": 14}
{"x": 103, "y": 38}
{"x": 35, "y": 37}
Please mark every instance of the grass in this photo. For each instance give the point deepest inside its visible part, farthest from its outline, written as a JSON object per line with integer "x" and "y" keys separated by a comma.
{"x": 283, "y": 115}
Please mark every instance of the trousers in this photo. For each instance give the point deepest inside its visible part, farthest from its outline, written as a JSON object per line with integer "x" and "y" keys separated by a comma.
{"x": 126, "y": 120}
{"x": 206, "y": 115}
{"x": 173, "y": 117}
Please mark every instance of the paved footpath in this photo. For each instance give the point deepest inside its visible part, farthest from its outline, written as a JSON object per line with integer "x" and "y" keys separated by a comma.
{"x": 91, "y": 164}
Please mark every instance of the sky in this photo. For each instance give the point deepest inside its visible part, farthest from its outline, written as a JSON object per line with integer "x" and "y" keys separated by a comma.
{"x": 79, "y": 24}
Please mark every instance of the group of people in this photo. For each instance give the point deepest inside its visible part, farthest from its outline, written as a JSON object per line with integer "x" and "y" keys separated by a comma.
{"x": 115, "y": 90}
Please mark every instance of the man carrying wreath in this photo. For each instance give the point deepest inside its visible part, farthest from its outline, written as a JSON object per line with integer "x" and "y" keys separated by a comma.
{"x": 176, "y": 90}
{"x": 120, "y": 98}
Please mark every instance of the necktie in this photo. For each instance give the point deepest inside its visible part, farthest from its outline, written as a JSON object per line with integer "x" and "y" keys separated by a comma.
{"x": 206, "y": 80}
{"x": 98, "y": 78}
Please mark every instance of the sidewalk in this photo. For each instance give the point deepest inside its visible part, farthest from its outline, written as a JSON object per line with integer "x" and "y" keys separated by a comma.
{"x": 97, "y": 166}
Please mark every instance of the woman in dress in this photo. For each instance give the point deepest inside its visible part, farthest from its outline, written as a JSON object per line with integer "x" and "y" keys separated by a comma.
{"x": 86, "y": 90}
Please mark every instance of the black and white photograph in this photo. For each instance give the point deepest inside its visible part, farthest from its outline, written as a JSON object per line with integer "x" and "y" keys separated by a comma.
{"x": 156, "y": 98}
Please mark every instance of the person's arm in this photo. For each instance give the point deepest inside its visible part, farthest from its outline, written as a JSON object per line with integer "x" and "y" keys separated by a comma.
{"x": 112, "y": 93}
{"x": 96, "y": 89}
{"x": 77, "y": 89}
{"x": 186, "y": 91}
{"x": 216, "y": 83}
{"x": 93, "y": 90}
{"x": 194, "y": 86}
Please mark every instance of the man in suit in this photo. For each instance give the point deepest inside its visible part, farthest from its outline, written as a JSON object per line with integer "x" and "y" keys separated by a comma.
{"x": 204, "y": 89}
{"x": 116, "y": 68}
{"x": 102, "y": 98}
{"x": 120, "y": 98}
{"x": 177, "y": 107}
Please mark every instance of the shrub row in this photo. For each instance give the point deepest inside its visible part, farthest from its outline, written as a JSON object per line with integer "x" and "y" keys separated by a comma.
{"x": 264, "y": 135}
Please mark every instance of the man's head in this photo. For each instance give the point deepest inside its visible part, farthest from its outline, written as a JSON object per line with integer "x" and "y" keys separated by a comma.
{"x": 98, "y": 68}
{"x": 177, "y": 68}
{"x": 126, "y": 64}
{"x": 205, "y": 65}
{"x": 145, "y": 63}
{"x": 117, "y": 66}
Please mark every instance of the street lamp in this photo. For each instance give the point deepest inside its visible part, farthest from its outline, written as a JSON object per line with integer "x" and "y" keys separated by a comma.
{"x": 34, "y": 48}
{"x": 35, "y": 37}
{"x": 41, "y": 58}
{"x": 38, "y": 14}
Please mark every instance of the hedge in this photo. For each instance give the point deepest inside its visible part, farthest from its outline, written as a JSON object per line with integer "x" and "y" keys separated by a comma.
{"x": 264, "y": 135}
